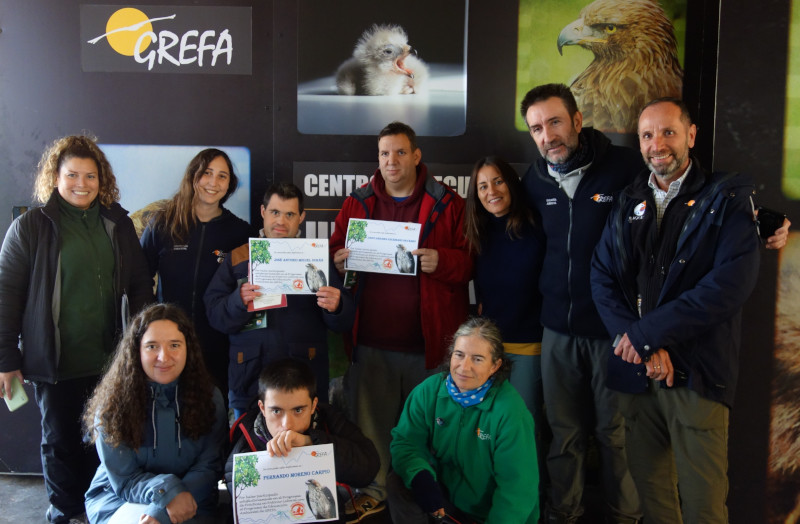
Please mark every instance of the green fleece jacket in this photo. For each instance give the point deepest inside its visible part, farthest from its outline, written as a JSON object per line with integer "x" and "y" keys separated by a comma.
{"x": 484, "y": 455}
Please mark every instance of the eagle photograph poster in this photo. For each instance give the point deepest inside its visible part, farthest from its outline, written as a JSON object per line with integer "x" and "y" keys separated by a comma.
{"x": 615, "y": 55}
{"x": 381, "y": 63}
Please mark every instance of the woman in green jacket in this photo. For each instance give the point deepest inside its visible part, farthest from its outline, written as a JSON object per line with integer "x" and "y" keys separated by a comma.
{"x": 465, "y": 446}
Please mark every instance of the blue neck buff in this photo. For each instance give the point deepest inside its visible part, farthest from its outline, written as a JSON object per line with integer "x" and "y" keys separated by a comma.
{"x": 469, "y": 398}
{"x": 582, "y": 156}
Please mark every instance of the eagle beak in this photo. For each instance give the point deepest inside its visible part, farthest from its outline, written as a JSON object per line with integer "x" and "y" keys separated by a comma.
{"x": 572, "y": 34}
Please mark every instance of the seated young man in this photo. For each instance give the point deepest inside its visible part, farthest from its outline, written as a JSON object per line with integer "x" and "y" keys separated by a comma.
{"x": 289, "y": 415}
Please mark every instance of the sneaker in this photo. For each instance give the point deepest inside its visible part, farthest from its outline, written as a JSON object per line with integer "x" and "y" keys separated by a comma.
{"x": 364, "y": 507}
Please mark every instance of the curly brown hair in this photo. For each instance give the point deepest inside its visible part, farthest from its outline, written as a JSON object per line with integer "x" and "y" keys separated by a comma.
{"x": 178, "y": 215}
{"x": 74, "y": 146}
{"x": 118, "y": 404}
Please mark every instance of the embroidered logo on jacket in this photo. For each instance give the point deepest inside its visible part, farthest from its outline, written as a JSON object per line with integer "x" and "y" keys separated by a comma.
{"x": 602, "y": 199}
{"x": 551, "y": 201}
{"x": 483, "y": 435}
{"x": 638, "y": 211}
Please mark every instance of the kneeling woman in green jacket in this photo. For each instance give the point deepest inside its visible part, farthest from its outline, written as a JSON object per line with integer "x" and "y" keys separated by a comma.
{"x": 465, "y": 445}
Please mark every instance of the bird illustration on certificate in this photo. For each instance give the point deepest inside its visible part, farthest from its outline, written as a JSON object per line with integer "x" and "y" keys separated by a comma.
{"x": 380, "y": 246}
{"x": 289, "y": 266}
{"x": 300, "y": 487}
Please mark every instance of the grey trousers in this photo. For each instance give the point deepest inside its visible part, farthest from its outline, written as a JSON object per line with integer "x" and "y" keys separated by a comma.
{"x": 675, "y": 437}
{"x": 578, "y": 404}
{"x": 377, "y": 386}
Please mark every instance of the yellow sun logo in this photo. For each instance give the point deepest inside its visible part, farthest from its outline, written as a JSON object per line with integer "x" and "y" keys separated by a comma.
{"x": 124, "y": 28}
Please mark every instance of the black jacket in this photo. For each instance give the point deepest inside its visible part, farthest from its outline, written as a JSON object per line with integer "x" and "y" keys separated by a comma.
{"x": 184, "y": 271}
{"x": 30, "y": 288}
{"x": 572, "y": 228}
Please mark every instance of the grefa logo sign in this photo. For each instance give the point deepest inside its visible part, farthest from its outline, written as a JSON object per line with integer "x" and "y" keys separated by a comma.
{"x": 166, "y": 39}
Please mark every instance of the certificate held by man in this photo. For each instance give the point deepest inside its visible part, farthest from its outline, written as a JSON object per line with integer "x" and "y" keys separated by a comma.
{"x": 380, "y": 246}
{"x": 289, "y": 266}
{"x": 300, "y": 487}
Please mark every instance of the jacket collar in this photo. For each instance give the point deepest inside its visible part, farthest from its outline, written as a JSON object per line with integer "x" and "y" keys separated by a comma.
{"x": 487, "y": 402}
{"x": 599, "y": 144}
{"x": 431, "y": 186}
{"x": 114, "y": 213}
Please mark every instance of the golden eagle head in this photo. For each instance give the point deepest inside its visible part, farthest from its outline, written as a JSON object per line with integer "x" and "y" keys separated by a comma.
{"x": 612, "y": 29}
{"x": 635, "y": 61}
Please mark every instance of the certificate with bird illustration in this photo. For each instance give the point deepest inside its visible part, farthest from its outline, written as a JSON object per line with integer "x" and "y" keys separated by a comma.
{"x": 289, "y": 266}
{"x": 300, "y": 487}
{"x": 381, "y": 246}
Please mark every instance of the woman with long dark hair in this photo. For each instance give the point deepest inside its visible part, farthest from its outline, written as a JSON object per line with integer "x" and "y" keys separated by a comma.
{"x": 187, "y": 240}
{"x": 159, "y": 426}
{"x": 508, "y": 251}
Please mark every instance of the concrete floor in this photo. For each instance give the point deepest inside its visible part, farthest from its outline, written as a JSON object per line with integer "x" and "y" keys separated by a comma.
{"x": 24, "y": 499}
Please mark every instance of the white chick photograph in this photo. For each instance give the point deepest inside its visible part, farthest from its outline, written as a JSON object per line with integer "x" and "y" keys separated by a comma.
{"x": 382, "y": 63}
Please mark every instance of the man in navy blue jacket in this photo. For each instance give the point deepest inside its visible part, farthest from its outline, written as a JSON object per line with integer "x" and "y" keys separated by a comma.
{"x": 572, "y": 189}
{"x": 299, "y": 330}
{"x": 677, "y": 260}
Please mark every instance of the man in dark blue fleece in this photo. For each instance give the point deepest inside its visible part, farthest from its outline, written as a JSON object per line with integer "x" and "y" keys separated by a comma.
{"x": 572, "y": 189}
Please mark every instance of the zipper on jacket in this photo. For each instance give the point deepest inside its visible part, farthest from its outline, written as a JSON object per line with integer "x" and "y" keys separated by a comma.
{"x": 620, "y": 251}
{"x": 657, "y": 260}
{"x": 197, "y": 267}
{"x": 120, "y": 323}
{"x": 569, "y": 265}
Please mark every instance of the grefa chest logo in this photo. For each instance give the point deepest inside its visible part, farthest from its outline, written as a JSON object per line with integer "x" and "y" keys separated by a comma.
{"x": 130, "y": 32}
{"x": 638, "y": 211}
{"x": 601, "y": 198}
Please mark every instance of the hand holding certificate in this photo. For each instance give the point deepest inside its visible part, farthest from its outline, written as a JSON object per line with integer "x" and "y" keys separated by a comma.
{"x": 298, "y": 487}
{"x": 380, "y": 246}
{"x": 285, "y": 266}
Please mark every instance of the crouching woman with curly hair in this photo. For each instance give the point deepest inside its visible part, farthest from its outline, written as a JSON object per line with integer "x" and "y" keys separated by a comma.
{"x": 159, "y": 426}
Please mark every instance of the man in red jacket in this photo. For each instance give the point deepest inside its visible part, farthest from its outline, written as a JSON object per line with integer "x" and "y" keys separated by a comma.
{"x": 402, "y": 322}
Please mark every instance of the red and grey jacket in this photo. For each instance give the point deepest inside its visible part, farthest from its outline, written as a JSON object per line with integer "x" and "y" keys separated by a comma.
{"x": 444, "y": 294}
